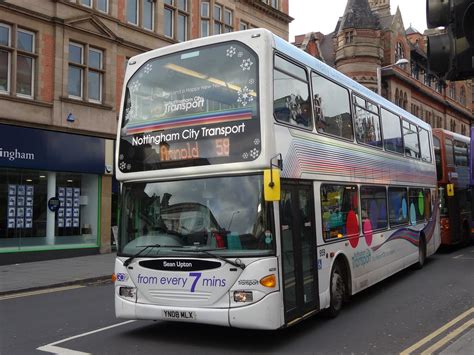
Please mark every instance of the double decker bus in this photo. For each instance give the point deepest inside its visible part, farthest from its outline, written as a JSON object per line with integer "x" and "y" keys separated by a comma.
{"x": 260, "y": 186}
{"x": 452, "y": 154}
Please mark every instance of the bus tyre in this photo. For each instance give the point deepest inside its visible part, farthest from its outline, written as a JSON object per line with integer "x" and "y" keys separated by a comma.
{"x": 421, "y": 253}
{"x": 337, "y": 292}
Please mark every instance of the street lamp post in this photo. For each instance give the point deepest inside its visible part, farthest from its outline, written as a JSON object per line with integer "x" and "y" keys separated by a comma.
{"x": 379, "y": 72}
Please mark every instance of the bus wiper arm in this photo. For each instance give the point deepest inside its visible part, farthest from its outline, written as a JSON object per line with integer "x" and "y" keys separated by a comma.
{"x": 129, "y": 260}
{"x": 207, "y": 252}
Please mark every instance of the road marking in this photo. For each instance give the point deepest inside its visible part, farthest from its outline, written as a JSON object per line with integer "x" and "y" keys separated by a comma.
{"x": 52, "y": 348}
{"x": 458, "y": 256}
{"x": 448, "y": 337}
{"x": 39, "y": 292}
{"x": 437, "y": 332}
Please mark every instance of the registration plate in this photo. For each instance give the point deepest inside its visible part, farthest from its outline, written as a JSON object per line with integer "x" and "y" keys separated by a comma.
{"x": 181, "y": 315}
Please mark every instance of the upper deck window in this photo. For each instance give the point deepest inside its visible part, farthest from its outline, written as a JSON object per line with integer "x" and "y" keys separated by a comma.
{"x": 392, "y": 132}
{"x": 425, "y": 145}
{"x": 410, "y": 137}
{"x": 192, "y": 108}
{"x": 291, "y": 100}
{"x": 331, "y": 108}
{"x": 367, "y": 122}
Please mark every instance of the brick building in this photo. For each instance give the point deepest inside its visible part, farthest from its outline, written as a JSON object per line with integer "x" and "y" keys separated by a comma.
{"x": 368, "y": 36}
{"x": 62, "y": 64}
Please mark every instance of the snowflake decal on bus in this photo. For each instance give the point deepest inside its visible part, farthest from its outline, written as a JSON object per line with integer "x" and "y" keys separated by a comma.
{"x": 254, "y": 153}
{"x": 231, "y": 52}
{"x": 122, "y": 165}
{"x": 240, "y": 55}
{"x": 245, "y": 96}
{"x": 148, "y": 68}
{"x": 256, "y": 141}
{"x": 135, "y": 86}
{"x": 246, "y": 64}
{"x": 245, "y": 155}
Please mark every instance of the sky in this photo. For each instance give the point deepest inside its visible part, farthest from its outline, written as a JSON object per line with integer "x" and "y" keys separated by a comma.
{"x": 322, "y": 15}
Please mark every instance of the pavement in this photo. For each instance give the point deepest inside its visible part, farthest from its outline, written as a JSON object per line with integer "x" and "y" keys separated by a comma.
{"x": 54, "y": 273}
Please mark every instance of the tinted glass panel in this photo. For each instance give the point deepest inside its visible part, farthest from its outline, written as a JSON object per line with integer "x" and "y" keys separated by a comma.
{"x": 290, "y": 68}
{"x": 437, "y": 152}
{"x": 392, "y": 132}
{"x": 373, "y": 201}
{"x": 425, "y": 145}
{"x": 339, "y": 211}
{"x": 291, "y": 101}
{"x": 416, "y": 205}
{"x": 195, "y": 107}
{"x": 410, "y": 138}
{"x": 449, "y": 152}
{"x": 397, "y": 206}
{"x": 461, "y": 153}
{"x": 332, "y": 108}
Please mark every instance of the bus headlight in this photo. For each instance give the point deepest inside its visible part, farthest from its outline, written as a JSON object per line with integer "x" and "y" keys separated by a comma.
{"x": 243, "y": 296}
{"x": 128, "y": 292}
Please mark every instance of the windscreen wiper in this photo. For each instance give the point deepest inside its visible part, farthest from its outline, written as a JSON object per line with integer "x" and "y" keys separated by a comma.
{"x": 207, "y": 252}
{"x": 129, "y": 260}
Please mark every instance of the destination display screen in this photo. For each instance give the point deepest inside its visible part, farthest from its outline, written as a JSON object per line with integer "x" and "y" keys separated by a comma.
{"x": 191, "y": 108}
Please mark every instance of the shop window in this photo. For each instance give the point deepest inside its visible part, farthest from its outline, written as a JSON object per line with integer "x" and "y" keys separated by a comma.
{"x": 176, "y": 19}
{"x": 26, "y": 221}
{"x": 86, "y": 72}
{"x": 339, "y": 210}
{"x": 17, "y": 60}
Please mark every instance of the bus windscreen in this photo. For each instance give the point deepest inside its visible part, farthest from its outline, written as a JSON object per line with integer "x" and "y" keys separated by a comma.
{"x": 190, "y": 108}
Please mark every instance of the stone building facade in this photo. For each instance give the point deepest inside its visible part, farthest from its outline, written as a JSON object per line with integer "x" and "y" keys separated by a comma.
{"x": 62, "y": 64}
{"x": 368, "y": 36}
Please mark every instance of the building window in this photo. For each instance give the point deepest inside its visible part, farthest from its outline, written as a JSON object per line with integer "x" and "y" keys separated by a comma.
{"x": 243, "y": 26}
{"x": 272, "y": 3}
{"x": 349, "y": 37}
{"x": 462, "y": 96}
{"x": 176, "y": 19}
{"x": 452, "y": 91}
{"x": 17, "y": 60}
{"x": 141, "y": 13}
{"x": 205, "y": 20}
{"x": 86, "y": 72}
{"x": 415, "y": 70}
{"x": 428, "y": 79}
{"x": 222, "y": 19}
{"x": 101, "y": 5}
{"x": 399, "y": 51}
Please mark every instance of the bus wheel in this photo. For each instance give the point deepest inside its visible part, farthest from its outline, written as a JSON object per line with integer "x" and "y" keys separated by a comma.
{"x": 337, "y": 292}
{"x": 421, "y": 253}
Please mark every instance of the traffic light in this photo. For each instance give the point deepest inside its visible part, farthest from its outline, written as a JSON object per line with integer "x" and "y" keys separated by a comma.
{"x": 451, "y": 53}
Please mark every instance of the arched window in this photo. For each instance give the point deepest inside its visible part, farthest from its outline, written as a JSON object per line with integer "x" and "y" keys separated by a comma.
{"x": 399, "y": 51}
{"x": 397, "y": 97}
{"x": 405, "y": 101}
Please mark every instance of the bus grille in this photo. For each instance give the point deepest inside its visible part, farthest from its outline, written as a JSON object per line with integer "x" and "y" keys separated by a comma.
{"x": 161, "y": 295}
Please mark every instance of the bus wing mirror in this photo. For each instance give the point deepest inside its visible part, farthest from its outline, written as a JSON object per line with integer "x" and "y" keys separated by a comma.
{"x": 271, "y": 182}
{"x": 271, "y": 179}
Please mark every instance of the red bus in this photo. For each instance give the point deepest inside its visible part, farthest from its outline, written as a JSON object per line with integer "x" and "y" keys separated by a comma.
{"x": 452, "y": 153}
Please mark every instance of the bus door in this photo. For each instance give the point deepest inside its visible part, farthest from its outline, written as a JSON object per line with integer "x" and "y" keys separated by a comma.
{"x": 300, "y": 283}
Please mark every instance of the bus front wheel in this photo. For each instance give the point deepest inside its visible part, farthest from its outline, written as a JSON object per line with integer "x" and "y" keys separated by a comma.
{"x": 337, "y": 291}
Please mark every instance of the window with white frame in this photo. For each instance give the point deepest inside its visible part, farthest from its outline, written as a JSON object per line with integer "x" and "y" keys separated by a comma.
{"x": 141, "y": 13}
{"x": 272, "y": 3}
{"x": 101, "y": 5}
{"x": 243, "y": 26}
{"x": 17, "y": 60}
{"x": 221, "y": 19}
{"x": 86, "y": 72}
{"x": 176, "y": 17}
